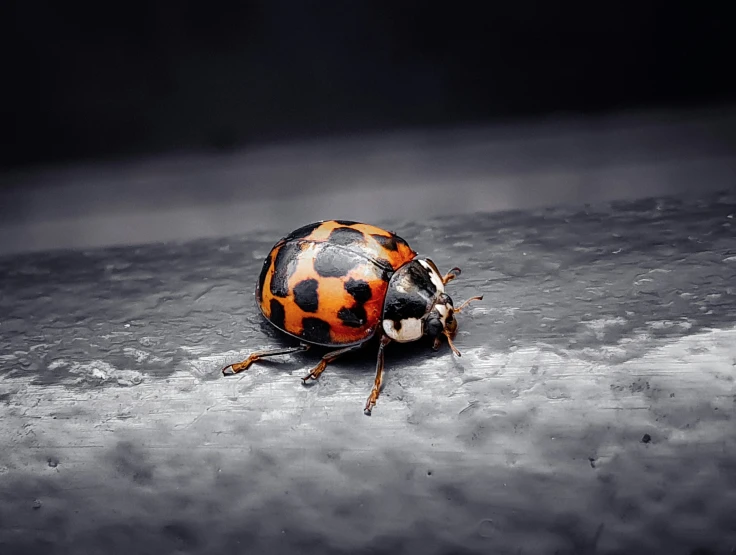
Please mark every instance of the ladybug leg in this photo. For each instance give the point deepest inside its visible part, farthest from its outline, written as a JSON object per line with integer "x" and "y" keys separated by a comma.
{"x": 232, "y": 369}
{"x": 329, "y": 357}
{"x": 376, "y": 391}
{"x": 449, "y": 276}
{"x": 452, "y": 345}
{"x": 466, "y": 303}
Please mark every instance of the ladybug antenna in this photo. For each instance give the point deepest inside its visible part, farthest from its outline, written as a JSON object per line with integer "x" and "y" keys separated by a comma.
{"x": 459, "y": 308}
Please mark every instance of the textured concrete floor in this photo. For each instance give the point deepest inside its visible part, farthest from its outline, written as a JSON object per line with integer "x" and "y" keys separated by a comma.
{"x": 593, "y": 409}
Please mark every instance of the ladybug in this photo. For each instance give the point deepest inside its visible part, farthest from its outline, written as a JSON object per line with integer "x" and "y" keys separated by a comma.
{"x": 339, "y": 283}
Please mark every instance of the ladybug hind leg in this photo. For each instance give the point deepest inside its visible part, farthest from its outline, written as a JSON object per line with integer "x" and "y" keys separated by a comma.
{"x": 232, "y": 369}
{"x": 329, "y": 357}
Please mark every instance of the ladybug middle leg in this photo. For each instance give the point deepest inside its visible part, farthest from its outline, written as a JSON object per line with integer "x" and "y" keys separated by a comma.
{"x": 378, "y": 382}
{"x": 329, "y": 357}
{"x": 232, "y": 369}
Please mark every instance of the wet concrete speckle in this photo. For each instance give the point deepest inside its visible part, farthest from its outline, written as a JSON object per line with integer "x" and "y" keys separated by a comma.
{"x": 132, "y": 462}
{"x": 182, "y": 534}
{"x": 486, "y": 528}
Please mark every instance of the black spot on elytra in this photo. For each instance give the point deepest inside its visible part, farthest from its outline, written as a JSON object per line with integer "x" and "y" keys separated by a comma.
{"x": 353, "y": 317}
{"x": 262, "y": 277}
{"x": 359, "y": 290}
{"x": 284, "y": 265}
{"x": 356, "y": 316}
{"x": 344, "y": 222}
{"x": 316, "y": 330}
{"x": 302, "y": 232}
{"x": 278, "y": 315}
{"x": 305, "y": 295}
{"x": 332, "y": 261}
{"x": 346, "y": 236}
{"x": 386, "y": 242}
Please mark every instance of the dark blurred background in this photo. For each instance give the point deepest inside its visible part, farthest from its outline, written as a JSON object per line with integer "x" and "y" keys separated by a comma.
{"x": 99, "y": 95}
{"x": 102, "y": 80}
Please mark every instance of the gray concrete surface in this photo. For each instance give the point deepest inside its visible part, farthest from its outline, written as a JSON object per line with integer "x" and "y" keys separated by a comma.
{"x": 592, "y": 410}
{"x": 403, "y": 176}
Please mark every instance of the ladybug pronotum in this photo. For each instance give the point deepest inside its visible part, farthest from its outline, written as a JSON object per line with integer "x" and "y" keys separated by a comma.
{"x": 339, "y": 283}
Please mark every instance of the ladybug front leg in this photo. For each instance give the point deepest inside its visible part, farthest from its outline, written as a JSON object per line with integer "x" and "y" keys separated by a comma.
{"x": 376, "y": 391}
{"x": 329, "y": 357}
{"x": 449, "y": 276}
{"x": 232, "y": 369}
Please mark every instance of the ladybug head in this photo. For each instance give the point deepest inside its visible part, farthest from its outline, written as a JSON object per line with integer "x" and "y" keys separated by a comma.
{"x": 416, "y": 304}
{"x": 440, "y": 319}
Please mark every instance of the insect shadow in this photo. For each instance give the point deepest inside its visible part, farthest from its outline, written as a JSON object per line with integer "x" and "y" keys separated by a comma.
{"x": 359, "y": 362}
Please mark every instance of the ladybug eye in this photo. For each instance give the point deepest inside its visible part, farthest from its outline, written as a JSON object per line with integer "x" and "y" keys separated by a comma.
{"x": 433, "y": 327}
